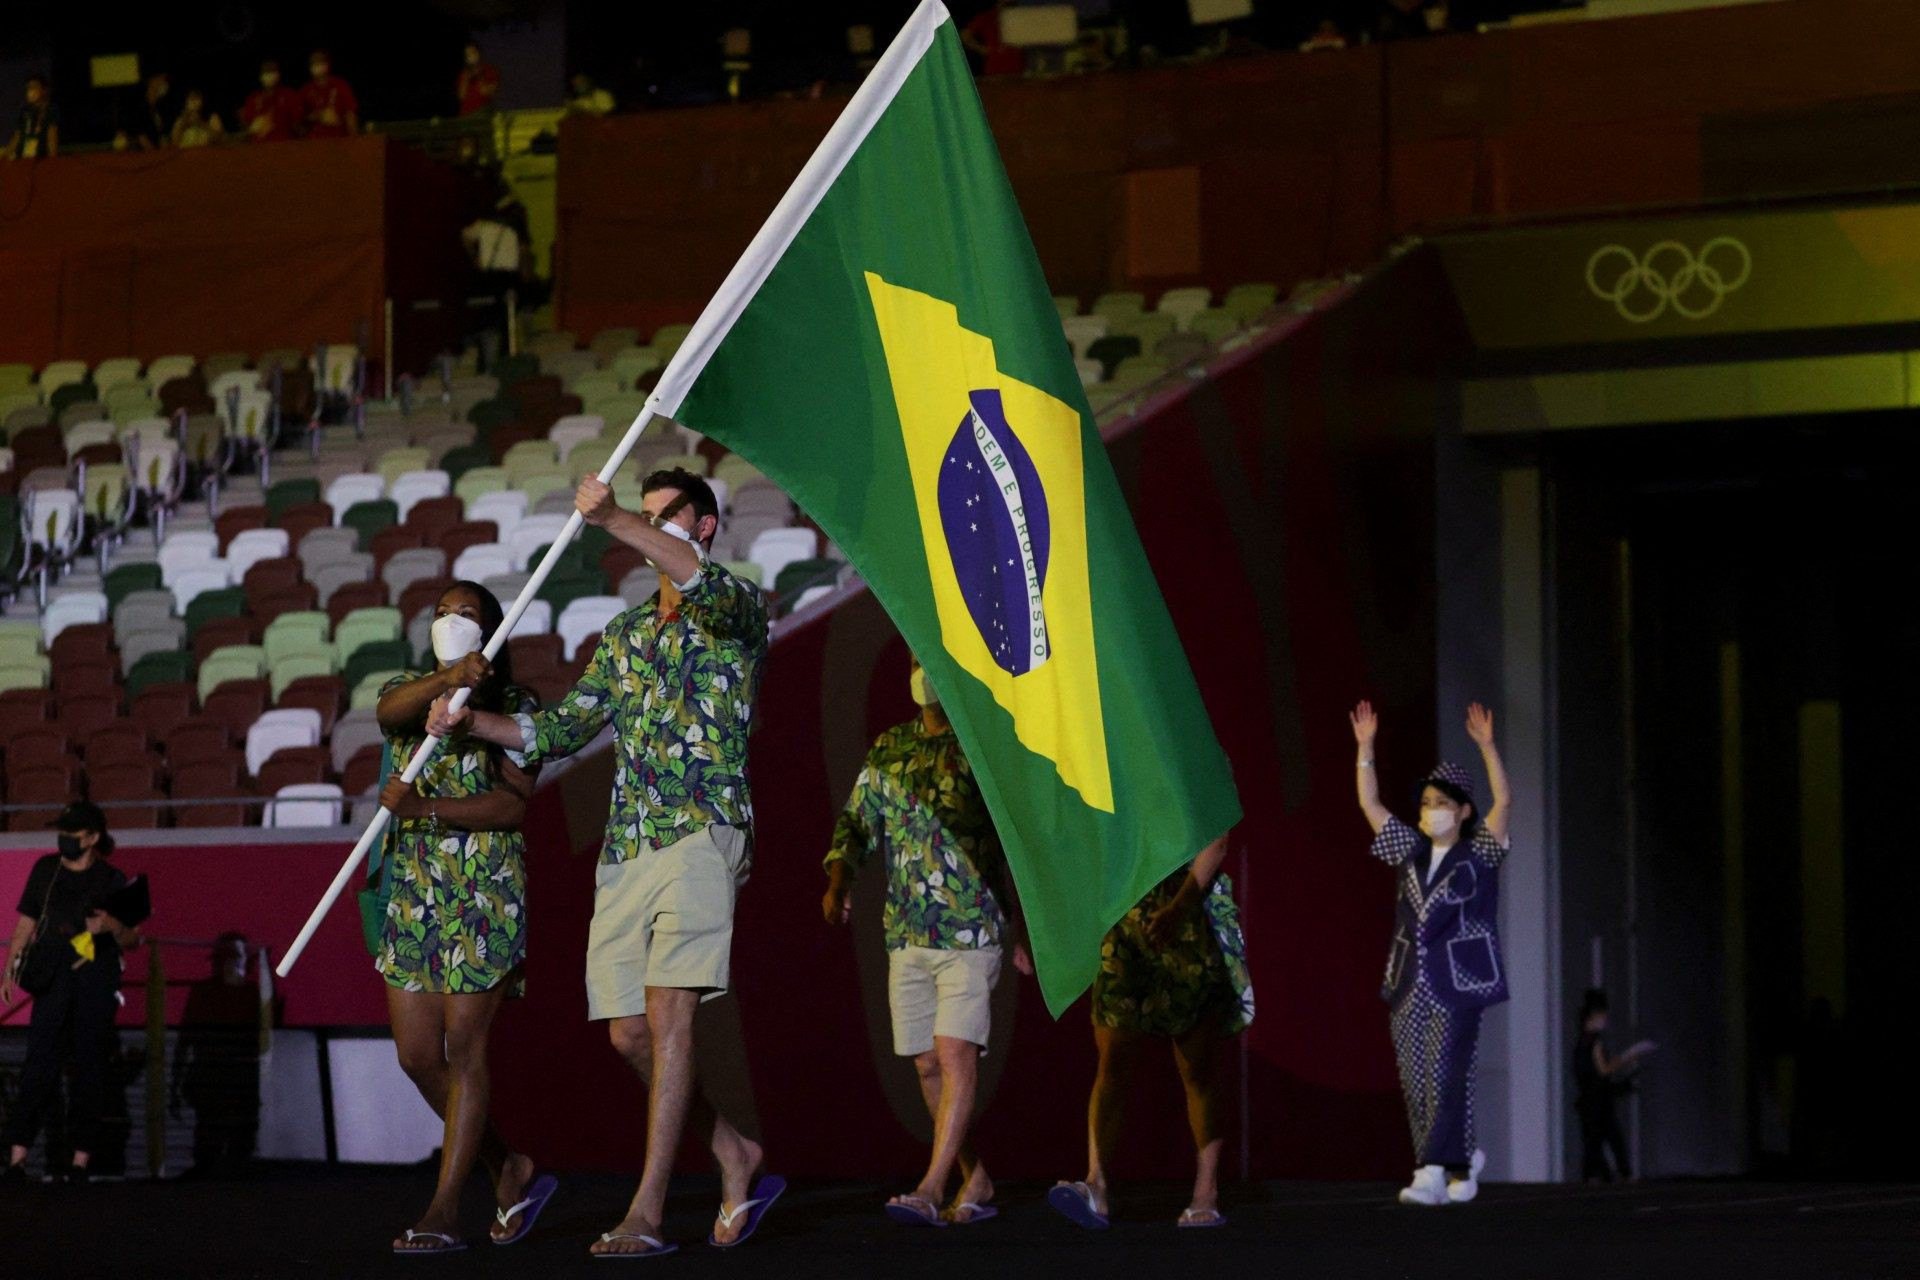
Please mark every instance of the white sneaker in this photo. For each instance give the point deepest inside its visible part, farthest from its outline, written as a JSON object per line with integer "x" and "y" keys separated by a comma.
{"x": 1463, "y": 1190}
{"x": 1429, "y": 1187}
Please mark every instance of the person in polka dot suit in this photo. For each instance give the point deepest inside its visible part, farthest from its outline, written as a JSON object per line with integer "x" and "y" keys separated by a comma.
{"x": 1444, "y": 966}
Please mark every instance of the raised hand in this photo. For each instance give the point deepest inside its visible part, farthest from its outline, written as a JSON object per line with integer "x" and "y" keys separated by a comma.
{"x": 442, "y": 722}
{"x": 1365, "y": 723}
{"x": 469, "y": 672}
{"x": 594, "y": 500}
{"x": 1479, "y": 724}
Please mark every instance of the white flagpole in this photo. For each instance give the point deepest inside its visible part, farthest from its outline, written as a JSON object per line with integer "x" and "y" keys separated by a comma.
{"x": 715, "y": 322}
{"x": 492, "y": 648}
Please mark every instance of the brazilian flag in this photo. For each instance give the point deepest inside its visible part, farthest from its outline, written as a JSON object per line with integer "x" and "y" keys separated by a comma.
{"x": 888, "y": 352}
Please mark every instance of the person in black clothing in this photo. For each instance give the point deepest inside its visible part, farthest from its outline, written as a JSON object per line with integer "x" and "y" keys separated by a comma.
{"x": 216, "y": 1068}
{"x": 38, "y": 131}
{"x": 1599, "y": 1082}
{"x": 155, "y": 129}
{"x": 60, "y": 909}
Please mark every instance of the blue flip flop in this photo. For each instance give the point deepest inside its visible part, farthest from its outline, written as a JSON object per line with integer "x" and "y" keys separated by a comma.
{"x": 1075, "y": 1201}
{"x": 1201, "y": 1219}
{"x": 539, "y": 1191}
{"x": 975, "y": 1213}
{"x": 765, "y": 1192}
{"x": 908, "y": 1216}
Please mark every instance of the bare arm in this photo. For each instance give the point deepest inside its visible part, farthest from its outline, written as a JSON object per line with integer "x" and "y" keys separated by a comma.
{"x": 674, "y": 556}
{"x": 1200, "y": 874}
{"x": 502, "y": 807}
{"x": 22, "y": 934}
{"x": 405, "y": 706}
{"x": 1480, "y": 729}
{"x": 1366, "y": 727}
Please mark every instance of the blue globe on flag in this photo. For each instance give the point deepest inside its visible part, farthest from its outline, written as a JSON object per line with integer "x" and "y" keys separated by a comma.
{"x": 993, "y": 511}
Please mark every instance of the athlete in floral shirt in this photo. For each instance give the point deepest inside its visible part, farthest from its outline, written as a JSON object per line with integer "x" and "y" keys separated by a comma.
{"x": 676, "y": 678}
{"x": 917, "y": 804}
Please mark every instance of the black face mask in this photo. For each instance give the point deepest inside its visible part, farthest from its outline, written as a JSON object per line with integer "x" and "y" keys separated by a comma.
{"x": 70, "y": 847}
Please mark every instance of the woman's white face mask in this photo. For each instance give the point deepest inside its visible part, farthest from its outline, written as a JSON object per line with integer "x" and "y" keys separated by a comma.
{"x": 923, "y": 693}
{"x": 1438, "y": 823}
{"x": 454, "y": 637}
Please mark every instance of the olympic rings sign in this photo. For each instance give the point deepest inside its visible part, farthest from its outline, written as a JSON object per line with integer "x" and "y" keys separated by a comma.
{"x": 1669, "y": 275}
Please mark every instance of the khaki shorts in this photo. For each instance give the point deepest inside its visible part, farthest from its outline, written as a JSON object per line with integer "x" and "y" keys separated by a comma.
{"x": 935, "y": 992}
{"x": 665, "y": 919}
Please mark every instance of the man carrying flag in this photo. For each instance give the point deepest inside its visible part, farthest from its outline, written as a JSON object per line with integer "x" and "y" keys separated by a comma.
{"x": 677, "y": 678}
{"x": 888, "y": 352}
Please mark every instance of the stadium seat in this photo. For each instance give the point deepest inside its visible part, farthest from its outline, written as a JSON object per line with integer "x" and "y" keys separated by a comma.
{"x": 483, "y": 560}
{"x": 478, "y": 482}
{"x": 252, "y": 545}
{"x": 159, "y": 707}
{"x": 353, "y": 732}
{"x": 1119, "y": 303}
{"x": 292, "y": 767}
{"x": 230, "y": 662}
{"x": 82, "y": 713}
{"x": 363, "y": 627}
{"x": 535, "y": 655}
{"x": 411, "y": 565}
{"x": 531, "y": 534}
{"x": 281, "y": 727}
{"x": 434, "y": 516}
{"x": 410, "y": 487}
{"x": 82, "y": 642}
{"x": 370, "y": 517}
{"x": 349, "y": 596}
{"x": 197, "y": 739}
{"x": 1247, "y": 302}
{"x": 373, "y": 656}
{"x": 169, "y": 638}
{"x": 122, "y": 580}
{"x": 345, "y": 492}
{"x": 324, "y": 546}
{"x": 161, "y": 668}
{"x": 322, "y": 692}
{"x": 535, "y": 620}
{"x": 366, "y": 694}
{"x": 70, "y": 610}
{"x": 467, "y": 533}
{"x": 28, "y": 673}
{"x": 122, "y": 740}
{"x": 458, "y": 462}
{"x": 1214, "y": 325}
{"x": 311, "y": 804}
{"x": 1112, "y": 349}
{"x": 584, "y": 618}
{"x": 775, "y": 549}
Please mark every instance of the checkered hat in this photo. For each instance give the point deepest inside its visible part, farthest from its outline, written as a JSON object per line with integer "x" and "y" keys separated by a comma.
{"x": 1452, "y": 776}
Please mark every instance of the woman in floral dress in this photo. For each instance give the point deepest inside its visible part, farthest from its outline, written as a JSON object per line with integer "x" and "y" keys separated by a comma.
{"x": 1175, "y": 969}
{"x": 455, "y": 933}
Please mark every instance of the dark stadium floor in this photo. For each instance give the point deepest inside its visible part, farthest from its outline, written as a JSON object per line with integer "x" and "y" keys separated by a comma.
{"x": 312, "y": 1221}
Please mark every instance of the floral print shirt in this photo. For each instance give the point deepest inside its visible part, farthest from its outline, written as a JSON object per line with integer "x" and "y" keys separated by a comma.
{"x": 916, "y": 803}
{"x": 679, "y": 687}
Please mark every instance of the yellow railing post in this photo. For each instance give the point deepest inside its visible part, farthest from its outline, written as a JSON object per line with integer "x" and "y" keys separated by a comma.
{"x": 156, "y": 1062}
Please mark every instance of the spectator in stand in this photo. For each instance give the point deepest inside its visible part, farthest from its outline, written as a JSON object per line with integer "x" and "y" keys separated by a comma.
{"x": 588, "y": 98}
{"x": 38, "y": 131}
{"x": 155, "y": 129}
{"x": 196, "y": 126}
{"x": 982, "y": 37}
{"x": 332, "y": 110}
{"x": 1325, "y": 37}
{"x": 1407, "y": 20}
{"x": 273, "y": 112}
{"x": 479, "y": 83}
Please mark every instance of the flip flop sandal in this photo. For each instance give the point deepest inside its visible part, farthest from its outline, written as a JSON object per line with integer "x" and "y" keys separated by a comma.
{"x": 765, "y": 1192}
{"x": 975, "y": 1213}
{"x": 914, "y": 1211}
{"x": 1200, "y": 1219}
{"x": 540, "y": 1190}
{"x": 655, "y": 1248}
{"x": 1075, "y": 1201}
{"x": 448, "y": 1244}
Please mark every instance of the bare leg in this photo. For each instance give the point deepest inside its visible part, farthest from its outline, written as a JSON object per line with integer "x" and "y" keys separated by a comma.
{"x": 949, "y": 1076}
{"x": 1197, "y": 1055}
{"x": 659, "y": 1047}
{"x": 1119, "y": 1054}
{"x": 442, "y": 1041}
